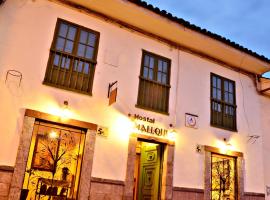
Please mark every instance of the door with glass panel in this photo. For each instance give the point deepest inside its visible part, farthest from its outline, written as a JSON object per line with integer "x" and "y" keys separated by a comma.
{"x": 223, "y": 177}
{"x": 54, "y": 162}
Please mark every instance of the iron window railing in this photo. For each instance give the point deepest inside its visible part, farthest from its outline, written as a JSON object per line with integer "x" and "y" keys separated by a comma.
{"x": 72, "y": 58}
{"x": 154, "y": 86}
{"x": 223, "y": 103}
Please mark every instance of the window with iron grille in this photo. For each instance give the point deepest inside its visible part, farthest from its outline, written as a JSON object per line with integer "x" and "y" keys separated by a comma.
{"x": 223, "y": 103}
{"x": 154, "y": 86}
{"x": 72, "y": 58}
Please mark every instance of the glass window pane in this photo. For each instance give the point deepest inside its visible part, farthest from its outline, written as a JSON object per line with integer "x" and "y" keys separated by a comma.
{"x": 150, "y": 75}
{"x": 91, "y": 39}
{"x": 151, "y": 64}
{"x": 78, "y": 66}
{"x": 214, "y": 81}
{"x": 160, "y": 63}
{"x": 231, "y": 87}
{"x": 219, "y": 94}
{"x": 226, "y": 97}
{"x": 164, "y": 79}
{"x": 145, "y": 72}
{"x": 146, "y": 61}
{"x": 165, "y": 66}
{"x": 56, "y": 60}
{"x": 86, "y": 68}
{"x": 226, "y": 85}
{"x": 231, "y": 100}
{"x": 81, "y": 50}
{"x": 89, "y": 52}
{"x": 83, "y": 37}
{"x": 65, "y": 63}
{"x": 219, "y": 83}
{"x": 71, "y": 33}
{"x": 69, "y": 46}
{"x": 214, "y": 93}
{"x": 159, "y": 77}
{"x": 60, "y": 44}
{"x": 63, "y": 30}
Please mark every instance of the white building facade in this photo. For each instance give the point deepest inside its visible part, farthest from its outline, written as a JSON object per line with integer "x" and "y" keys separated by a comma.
{"x": 189, "y": 120}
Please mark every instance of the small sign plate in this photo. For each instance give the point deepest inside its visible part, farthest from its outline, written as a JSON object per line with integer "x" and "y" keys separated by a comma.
{"x": 102, "y": 131}
{"x": 191, "y": 120}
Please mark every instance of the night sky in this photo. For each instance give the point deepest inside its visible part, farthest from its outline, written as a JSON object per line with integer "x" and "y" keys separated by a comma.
{"x": 246, "y": 22}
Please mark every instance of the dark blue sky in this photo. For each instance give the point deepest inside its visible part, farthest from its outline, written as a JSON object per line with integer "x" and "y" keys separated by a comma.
{"x": 246, "y": 22}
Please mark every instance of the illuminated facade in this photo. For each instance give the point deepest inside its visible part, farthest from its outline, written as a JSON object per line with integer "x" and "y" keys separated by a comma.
{"x": 115, "y": 100}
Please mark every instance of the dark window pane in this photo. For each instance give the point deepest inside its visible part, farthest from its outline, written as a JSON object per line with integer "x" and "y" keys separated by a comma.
{"x": 165, "y": 66}
{"x": 231, "y": 99}
{"x": 60, "y": 44}
{"x": 150, "y": 75}
{"x": 78, "y": 66}
{"x": 226, "y": 97}
{"x": 81, "y": 50}
{"x": 91, "y": 39}
{"x": 86, "y": 68}
{"x": 83, "y": 37}
{"x": 214, "y": 93}
{"x": 159, "y": 78}
{"x": 219, "y": 94}
{"x": 226, "y": 86}
{"x": 145, "y": 72}
{"x": 146, "y": 61}
{"x": 63, "y": 30}
{"x": 219, "y": 83}
{"x": 231, "y": 87}
{"x": 71, "y": 33}
{"x": 214, "y": 81}
{"x": 56, "y": 60}
{"x": 89, "y": 52}
{"x": 164, "y": 79}
{"x": 151, "y": 63}
{"x": 69, "y": 46}
{"x": 160, "y": 64}
{"x": 65, "y": 63}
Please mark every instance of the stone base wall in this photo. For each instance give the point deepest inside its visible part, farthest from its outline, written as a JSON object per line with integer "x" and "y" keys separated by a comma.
{"x": 104, "y": 189}
{"x": 254, "y": 196}
{"x": 180, "y": 193}
{"x": 6, "y": 173}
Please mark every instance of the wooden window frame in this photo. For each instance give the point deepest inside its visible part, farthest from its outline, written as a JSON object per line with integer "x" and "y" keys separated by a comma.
{"x": 223, "y": 103}
{"x": 92, "y": 62}
{"x": 155, "y": 72}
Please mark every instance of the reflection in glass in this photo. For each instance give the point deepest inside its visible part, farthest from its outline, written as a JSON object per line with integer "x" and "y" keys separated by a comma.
{"x": 54, "y": 162}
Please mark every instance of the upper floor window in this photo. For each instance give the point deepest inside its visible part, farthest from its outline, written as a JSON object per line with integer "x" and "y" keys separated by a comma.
{"x": 223, "y": 103}
{"x": 154, "y": 86}
{"x": 72, "y": 58}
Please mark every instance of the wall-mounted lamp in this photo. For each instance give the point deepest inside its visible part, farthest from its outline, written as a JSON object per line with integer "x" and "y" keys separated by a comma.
{"x": 225, "y": 146}
{"x": 65, "y": 111}
{"x": 171, "y": 133}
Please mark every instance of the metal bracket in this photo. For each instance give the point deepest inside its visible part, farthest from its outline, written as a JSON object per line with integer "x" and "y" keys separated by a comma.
{"x": 110, "y": 87}
{"x": 15, "y": 73}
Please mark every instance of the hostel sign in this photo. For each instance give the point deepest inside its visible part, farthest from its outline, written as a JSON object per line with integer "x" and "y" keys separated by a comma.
{"x": 148, "y": 127}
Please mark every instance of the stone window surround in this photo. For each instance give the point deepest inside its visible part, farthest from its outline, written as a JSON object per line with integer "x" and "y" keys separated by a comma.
{"x": 167, "y": 175}
{"x": 207, "y": 174}
{"x": 24, "y": 145}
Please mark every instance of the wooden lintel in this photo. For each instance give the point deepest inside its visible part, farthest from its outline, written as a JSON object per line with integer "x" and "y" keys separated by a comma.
{"x": 218, "y": 151}
{"x": 57, "y": 119}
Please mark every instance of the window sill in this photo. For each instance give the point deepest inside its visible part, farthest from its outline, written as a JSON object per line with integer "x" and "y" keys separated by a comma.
{"x": 152, "y": 110}
{"x": 224, "y": 128}
{"x": 67, "y": 89}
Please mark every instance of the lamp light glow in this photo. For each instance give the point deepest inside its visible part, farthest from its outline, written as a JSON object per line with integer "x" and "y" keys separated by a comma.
{"x": 53, "y": 135}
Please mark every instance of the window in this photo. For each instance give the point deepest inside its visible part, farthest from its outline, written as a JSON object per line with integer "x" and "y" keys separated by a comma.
{"x": 154, "y": 86}
{"x": 72, "y": 58}
{"x": 223, "y": 105}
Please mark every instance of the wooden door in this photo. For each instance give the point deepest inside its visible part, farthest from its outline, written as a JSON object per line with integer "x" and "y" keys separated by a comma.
{"x": 149, "y": 172}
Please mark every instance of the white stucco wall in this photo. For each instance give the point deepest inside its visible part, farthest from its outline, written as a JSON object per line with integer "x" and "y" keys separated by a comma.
{"x": 26, "y": 29}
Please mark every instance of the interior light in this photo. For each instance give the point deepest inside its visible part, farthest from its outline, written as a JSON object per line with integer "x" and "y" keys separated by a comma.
{"x": 53, "y": 135}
